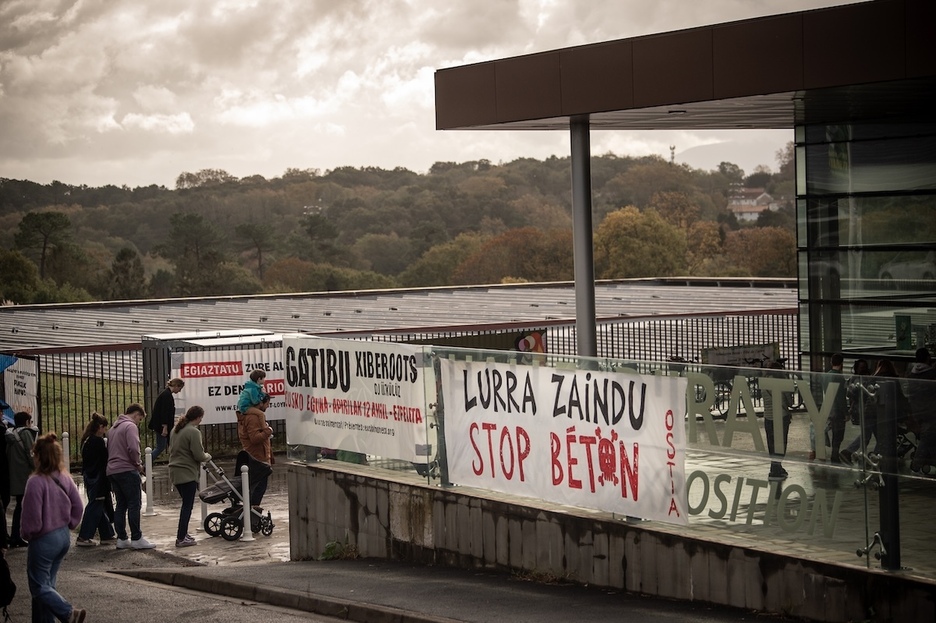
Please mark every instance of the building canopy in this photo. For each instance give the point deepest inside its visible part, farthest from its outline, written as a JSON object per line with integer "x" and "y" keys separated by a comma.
{"x": 865, "y": 61}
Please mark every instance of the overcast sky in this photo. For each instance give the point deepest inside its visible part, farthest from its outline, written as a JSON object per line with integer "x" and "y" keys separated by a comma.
{"x": 135, "y": 92}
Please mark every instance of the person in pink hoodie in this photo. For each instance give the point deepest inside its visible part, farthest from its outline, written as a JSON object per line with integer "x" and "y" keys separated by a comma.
{"x": 51, "y": 509}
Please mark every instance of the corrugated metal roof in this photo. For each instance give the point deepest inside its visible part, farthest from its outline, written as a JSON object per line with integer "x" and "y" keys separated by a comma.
{"x": 90, "y": 324}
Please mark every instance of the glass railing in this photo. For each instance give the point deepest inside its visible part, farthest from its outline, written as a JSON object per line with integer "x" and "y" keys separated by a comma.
{"x": 743, "y": 455}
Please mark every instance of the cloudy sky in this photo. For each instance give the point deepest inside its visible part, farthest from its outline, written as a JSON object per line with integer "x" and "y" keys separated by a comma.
{"x": 135, "y": 92}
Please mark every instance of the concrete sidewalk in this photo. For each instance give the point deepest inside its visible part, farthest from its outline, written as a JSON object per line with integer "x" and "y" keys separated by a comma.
{"x": 362, "y": 590}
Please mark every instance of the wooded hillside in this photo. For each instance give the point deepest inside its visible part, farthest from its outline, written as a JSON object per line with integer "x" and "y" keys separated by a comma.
{"x": 358, "y": 228}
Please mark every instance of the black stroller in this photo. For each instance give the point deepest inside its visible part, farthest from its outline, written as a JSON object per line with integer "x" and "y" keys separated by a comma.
{"x": 229, "y": 523}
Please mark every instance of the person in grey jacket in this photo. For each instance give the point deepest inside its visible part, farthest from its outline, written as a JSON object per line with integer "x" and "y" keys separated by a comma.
{"x": 19, "y": 445}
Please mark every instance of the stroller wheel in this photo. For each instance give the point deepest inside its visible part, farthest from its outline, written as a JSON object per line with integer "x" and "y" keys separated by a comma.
{"x": 232, "y": 528}
{"x": 213, "y": 524}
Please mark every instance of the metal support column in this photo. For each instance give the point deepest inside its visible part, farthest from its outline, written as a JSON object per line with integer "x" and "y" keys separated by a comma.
{"x": 583, "y": 253}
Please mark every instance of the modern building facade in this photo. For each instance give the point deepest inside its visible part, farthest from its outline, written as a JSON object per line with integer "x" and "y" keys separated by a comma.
{"x": 856, "y": 85}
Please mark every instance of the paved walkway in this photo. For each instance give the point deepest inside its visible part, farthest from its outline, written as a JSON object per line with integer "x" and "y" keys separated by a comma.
{"x": 376, "y": 591}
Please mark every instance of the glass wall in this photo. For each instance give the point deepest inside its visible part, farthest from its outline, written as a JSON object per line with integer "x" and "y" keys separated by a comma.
{"x": 866, "y": 222}
{"x": 733, "y": 454}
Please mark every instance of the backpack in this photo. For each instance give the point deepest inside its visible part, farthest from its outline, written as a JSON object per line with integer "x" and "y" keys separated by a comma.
{"x": 7, "y": 587}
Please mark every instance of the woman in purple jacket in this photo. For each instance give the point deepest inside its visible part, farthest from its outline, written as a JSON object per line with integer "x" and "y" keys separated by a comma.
{"x": 51, "y": 509}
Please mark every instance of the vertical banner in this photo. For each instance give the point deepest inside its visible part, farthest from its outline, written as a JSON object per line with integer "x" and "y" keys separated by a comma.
{"x": 609, "y": 441}
{"x": 214, "y": 380}
{"x": 20, "y": 386}
{"x": 366, "y": 397}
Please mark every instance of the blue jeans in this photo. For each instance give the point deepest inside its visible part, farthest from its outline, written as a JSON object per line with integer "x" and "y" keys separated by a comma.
{"x": 126, "y": 488}
{"x": 98, "y": 512}
{"x": 187, "y": 491}
{"x": 43, "y": 558}
{"x": 161, "y": 444}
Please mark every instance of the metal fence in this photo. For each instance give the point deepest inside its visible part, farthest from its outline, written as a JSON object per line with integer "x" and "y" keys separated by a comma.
{"x": 76, "y": 381}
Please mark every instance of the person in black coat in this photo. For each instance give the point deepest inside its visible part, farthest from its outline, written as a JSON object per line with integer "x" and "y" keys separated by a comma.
{"x": 163, "y": 418}
{"x": 99, "y": 512}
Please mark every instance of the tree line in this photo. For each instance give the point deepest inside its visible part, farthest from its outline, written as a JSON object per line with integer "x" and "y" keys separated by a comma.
{"x": 362, "y": 228}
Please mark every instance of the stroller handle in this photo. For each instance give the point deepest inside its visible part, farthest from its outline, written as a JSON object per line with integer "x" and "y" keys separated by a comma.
{"x": 210, "y": 466}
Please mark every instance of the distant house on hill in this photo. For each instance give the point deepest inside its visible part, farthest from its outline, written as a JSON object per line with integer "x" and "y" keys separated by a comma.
{"x": 748, "y": 203}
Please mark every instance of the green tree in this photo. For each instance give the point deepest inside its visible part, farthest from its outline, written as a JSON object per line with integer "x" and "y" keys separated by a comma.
{"x": 259, "y": 237}
{"x": 20, "y": 278}
{"x": 127, "y": 276}
{"x": 42, "y": 232}
{"x": 631, "y": 243}
{"x": 387, "y": 254}
{"x": 321, "y": 233}
{"x": 193, "y": 246}
{"x": 731, "y": 171}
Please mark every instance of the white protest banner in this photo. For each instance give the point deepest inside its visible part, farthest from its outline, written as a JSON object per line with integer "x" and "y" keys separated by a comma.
{"x": 214, "y": 380}
{"x": 20, "y": 385}
{"x": 363, "y": 397}
{"x": 610, "y": 441}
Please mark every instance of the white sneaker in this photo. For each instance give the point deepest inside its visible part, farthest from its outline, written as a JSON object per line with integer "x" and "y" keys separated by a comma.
{"x": 123, "y": 543}
{"x": 141, "y": 543}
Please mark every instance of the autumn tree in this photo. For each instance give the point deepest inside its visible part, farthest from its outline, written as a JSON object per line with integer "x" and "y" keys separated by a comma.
{"x": 437, "y": 265}
{"x": 703, "y": 242}
{"x": 631, "y": 243}
{"x": 678, "y": 209}
{"x": 526, "y": 254}
{"x": 764, "y": 251}
{"x": 41, "y": 232}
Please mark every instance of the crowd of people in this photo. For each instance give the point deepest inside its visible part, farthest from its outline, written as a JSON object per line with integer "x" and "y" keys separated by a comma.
{"x": 860, "y": 399}
{"x": 48, "y": 505}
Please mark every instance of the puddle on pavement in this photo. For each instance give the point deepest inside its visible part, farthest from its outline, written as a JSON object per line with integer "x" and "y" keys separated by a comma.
{"x": 160, "y": 526}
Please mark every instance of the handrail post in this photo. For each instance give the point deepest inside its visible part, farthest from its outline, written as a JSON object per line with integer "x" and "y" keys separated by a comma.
{"x": 149, "y": 483}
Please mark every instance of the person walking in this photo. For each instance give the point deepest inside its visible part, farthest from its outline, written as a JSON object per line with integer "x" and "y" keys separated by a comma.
{"x": 100, "y": 511}
{"x": 921, "y": 387}
{"x": 186, "y": 454}
{"x": 774, "y": 406}
{"x": 839, "y": 412}
{"x": 19, "y": 442}
{"x": 163, "y": 417}
{"x": 255, "y": 434}
{"x": 124, "y": 470}
{"x": 51, "y": 507}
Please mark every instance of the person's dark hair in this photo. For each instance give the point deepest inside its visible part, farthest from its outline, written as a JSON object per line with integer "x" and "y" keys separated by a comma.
{"x": 48, "y": 454}
{"x": 21, "y": 418}
{"x": 135, "y": 407}
{"x": 922, "y": 355}
{"x": 859, "y": 365}
{"x": 257, "y": 375}
{"x": 94, "y": 425}
{"x": 194, "y": 412}
{"x": 837, "y": 359}
{"x": 885, "y": 367}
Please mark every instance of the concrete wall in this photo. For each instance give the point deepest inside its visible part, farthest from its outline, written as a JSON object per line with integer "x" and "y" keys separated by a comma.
{"x": 405, "y": 519}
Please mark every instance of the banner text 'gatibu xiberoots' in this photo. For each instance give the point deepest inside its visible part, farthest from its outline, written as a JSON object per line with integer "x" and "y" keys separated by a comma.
{"x": 608, "y": 441}
{"x": 364, "y": 397}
